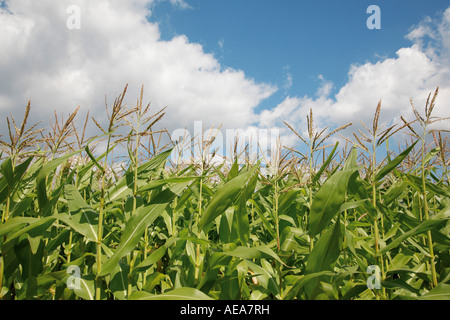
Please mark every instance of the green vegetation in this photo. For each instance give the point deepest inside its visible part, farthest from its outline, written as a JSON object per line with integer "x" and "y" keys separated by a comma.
{"x": 81, "y": 224}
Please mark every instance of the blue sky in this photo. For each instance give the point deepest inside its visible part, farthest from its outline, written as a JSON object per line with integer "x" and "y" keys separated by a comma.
{"x": 270, "y": 40}
{"x": 247, "y": 65}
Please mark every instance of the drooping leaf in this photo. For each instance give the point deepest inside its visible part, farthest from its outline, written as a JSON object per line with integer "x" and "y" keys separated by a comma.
{"x": 15, "y": 223}
{"x": 265, "y": 276}
{"x": 81, "y": 217}
{"x": 224, "y": 197}
{"x": 325, "y": 253}
{"x": 253, "y": 253}
{"x": 177, "y": 294}
{"x": 301, "y": 281}
{"x": 441, "y": 292}
{"x": 35, "y": 229}
{"x": 394, "y": 163}
{"x": 119, "y": 281}
{"x": 157, "y": 255}
{"x": 162, "y": 182}
{"x": 394, "y": 192}
{"x": 41, "y": 179}
{"x": 124, "y": 187}
{"x": 240, "y": 230}
{"x": 7, "y": 171}
{"x": 416, "y": 182}
{"x": 325, "y": 164}
{"x": 423, "y": 227}
{"x": 289, "y": 243}
{"x": 430, "y": 155}
{"x": 30, "y": 256}
{"x": 86, "y": 288}
{"x": 137, "y": 224}
{"x": 328, "y": 200}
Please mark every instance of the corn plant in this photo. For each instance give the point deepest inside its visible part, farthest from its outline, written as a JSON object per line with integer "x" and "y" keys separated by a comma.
{"x": 82, "y": 220}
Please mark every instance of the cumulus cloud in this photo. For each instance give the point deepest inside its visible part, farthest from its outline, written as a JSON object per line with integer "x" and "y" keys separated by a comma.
{"x": 414, "y": 73}
{"x": 59, "y": 68}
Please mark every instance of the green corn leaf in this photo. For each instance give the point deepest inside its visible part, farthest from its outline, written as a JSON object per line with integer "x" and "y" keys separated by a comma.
{"x": 289, "y": 243}
{"x": 430, "y": 155}
{"x": 240, "y": 230}
{"x": 410, "y": 223}
{"x": 41, "y": 179}
{"x": 35, "y": 229}
{"x": 153, "y": 164}
{"x": 25, "y": 185}
{"x": 350, "y": 163}
{"x": 4, "y": 189}
{"x": 162, "y": 182}
{"x": 20, "y": 170}
{"x": 177, "y": 294}
{"x": 215, "y": 261}
{"x": 133, "y": 232}
{"x": 81, "y": 217}
{"x": 119, "y": 281}
{"x": 234, "y": 171}
{"x": 8, "y": 172}
{"x": 394, "y": 192}
{"x": 124, "y": 187}
{"x": 301, "y": 281}
{"x": 325, "y": 164}
{"x": 326, "y": 250}
{"x": 253, "y": 253}
{"x": 240, "y": 224}
{"x": 354, "y": 291}
{"x": 261, "y": 213}
{"x": 14, "y": 223}
{"x": 286, "y": 200}
{"x": 266, "y": 278}
{"x": 157, "y": 255}
{"x": 325, "y": 253}
{"x": 394, "y": 163}
{"x": 29, "y": 251}
{"x": 423, "y": 227}
{"x": 353, "y": 205}
{"x": 137, "y": 224}
{"x": 153, "y": 280}
{"x": 226, "y": 226}
{"x": 441, "y": 292}
{"x": 328, "y": 200}
{"x": 399, "y": 284}
{"x": 416, "y": 182}
{"x": 94, "y": 161}
{"x": 86, "y": 290}
{"x": 224, "y": 197}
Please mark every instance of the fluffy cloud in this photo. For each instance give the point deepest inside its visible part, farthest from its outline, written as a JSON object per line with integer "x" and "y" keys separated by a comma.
{"x": 58, "y": 68}
{"x": 414, "y": 73}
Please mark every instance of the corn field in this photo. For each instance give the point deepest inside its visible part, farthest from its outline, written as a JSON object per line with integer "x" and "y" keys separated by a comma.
{"x": 348, "y": 221}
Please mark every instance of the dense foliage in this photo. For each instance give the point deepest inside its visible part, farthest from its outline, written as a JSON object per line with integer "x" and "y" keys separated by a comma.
{"x": 314, "y": 226}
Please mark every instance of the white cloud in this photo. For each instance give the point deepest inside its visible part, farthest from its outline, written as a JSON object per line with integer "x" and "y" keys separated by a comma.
{"x": 414, "y": 73}
{"x": 59, "y": 69}
{"x": 421, "y": 30}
